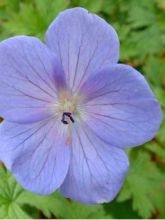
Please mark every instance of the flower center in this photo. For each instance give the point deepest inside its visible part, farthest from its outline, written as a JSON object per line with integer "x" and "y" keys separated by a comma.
{"x": 68, "y": 110}
{"x": 66, "y": 116}
{"x": 68, "y": 107}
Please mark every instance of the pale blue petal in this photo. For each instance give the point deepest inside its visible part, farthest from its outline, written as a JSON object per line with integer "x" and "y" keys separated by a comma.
{"x": 36, "y": 154}
{"x": 84, "y": 43}
{"x": 30, "y": 77}
{"x": 120, "y": 107}
{"x": 96, "y": 171}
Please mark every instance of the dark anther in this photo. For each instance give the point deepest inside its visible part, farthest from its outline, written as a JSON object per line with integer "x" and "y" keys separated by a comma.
{"x": 68, "y": 114}
{"x": 1, "y": 119}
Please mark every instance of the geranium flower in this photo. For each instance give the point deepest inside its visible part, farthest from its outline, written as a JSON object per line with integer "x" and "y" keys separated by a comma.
{"x": 70, "y": 110}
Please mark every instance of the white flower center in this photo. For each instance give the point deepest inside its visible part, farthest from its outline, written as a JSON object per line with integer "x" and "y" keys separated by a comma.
{"x": 68, "y": 103}
{"x": 68, "y": 109}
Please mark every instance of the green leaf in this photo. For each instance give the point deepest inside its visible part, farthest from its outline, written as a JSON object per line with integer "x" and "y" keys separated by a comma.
{"x": 10, "y": 192}
{"x": 93, "y": 6}
{"x": 34, "y": 17}
{"x": 157, "y": 149}
{"x": 142, "y": 184}
{"x": 160, "y": 94}
{"x": 13, "y": 200}
{"x": 141, "y": 13}
{"x": 154, "y": 73}
{"x": 62, "y": 208}
{"x": 139, "y": 44}
{"x": 161, "y": 132}
{"x": 120, "y": 210}
{"x": 12, "y": 5}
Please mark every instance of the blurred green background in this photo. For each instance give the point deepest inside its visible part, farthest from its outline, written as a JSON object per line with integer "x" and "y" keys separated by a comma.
{"x": 141, "y": 28}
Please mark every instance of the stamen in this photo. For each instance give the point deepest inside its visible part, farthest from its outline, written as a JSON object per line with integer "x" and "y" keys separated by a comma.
{"x": 1, "y": 119}
{"x": 68, "y": 115}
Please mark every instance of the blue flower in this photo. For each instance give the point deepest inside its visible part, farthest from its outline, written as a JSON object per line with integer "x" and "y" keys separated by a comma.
{"x": 70, "y": 110}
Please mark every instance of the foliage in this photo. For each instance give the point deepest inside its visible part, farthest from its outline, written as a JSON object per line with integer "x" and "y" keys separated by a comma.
{"x": 16, "y": 202}
{"x": 141, "y": 29}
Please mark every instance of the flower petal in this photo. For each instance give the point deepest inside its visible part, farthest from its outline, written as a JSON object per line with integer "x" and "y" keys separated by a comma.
{"x": 84, "y": 42}
{"x": 29, "y": 78}
{"x": 36, "y": 154}
{"x": 96, "y": 171}
{"x": 120, "y": 106}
